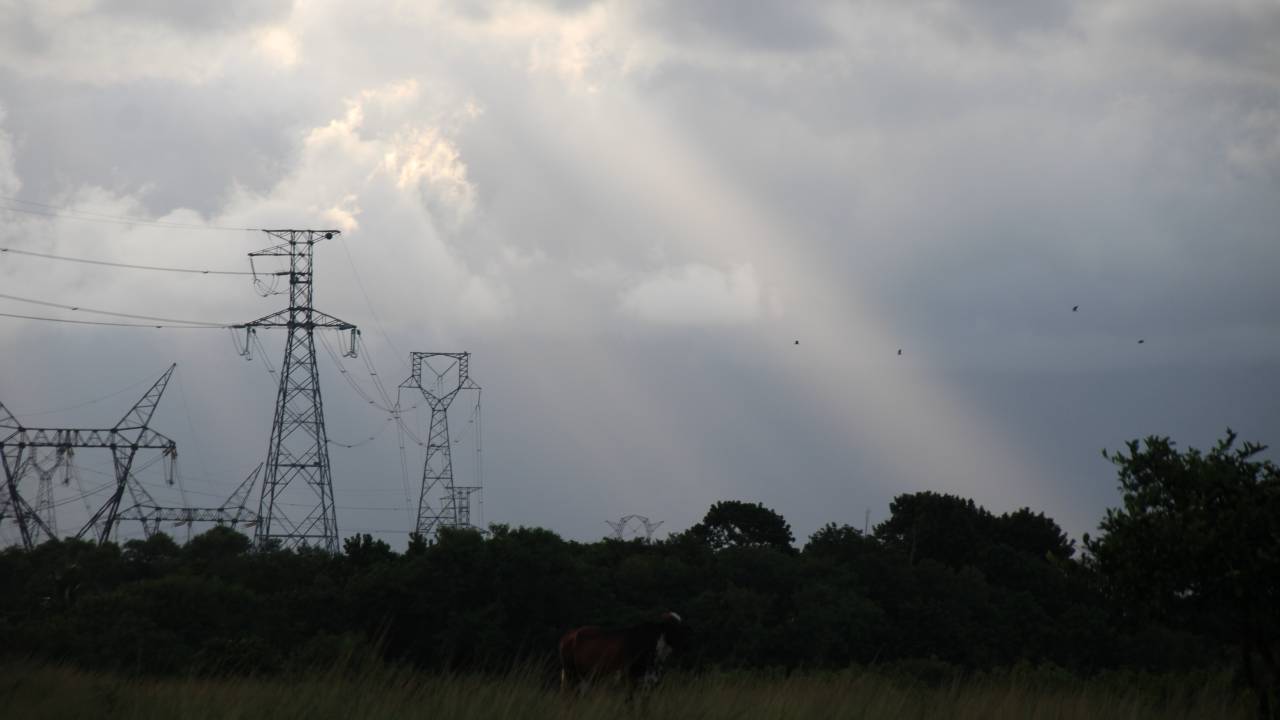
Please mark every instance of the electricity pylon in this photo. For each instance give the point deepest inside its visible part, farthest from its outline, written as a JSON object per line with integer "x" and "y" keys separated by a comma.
{"x": 232, "y": 512}
{"x": 297, "y": 467}
{"x": 441, "y": 503}
{"x": 622, "y": 526}
{"x": 18, "y": 453}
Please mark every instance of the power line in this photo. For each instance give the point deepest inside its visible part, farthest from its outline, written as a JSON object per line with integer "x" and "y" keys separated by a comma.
{"x": 90, "y": 216}
{"x": 46, "y": 303}
{"x": 347, "y": 507}
{"x": 351, "y": 264}
{"x": 194, "y": 271}
{"x": 111, "y": 324}
{"x": 83, "y": 404}
{"x": 359, "y": 443}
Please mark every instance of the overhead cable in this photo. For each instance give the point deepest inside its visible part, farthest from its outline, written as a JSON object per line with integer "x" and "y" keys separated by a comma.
{"x": 111, "y": 324}
{"x": 37, "y": 208}
{"x": 194, "y": 271}
{"x": 79, "y": 308}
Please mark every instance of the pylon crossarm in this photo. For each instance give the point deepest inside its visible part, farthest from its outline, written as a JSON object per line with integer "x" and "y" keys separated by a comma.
{"x": 285, "y": 319}
{"x": 139, "y": 416}
{"x": 289, "y": 235}
{"x": 183, "y": 515}
{"x": 240, "y": 496}
{"x": 63, "y": 438}
{"x": 281, "y": 250}
{"x": 7, "y": 420}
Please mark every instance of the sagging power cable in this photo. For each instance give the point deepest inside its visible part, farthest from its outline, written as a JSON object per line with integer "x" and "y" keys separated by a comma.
{"x": 131, "y": 266}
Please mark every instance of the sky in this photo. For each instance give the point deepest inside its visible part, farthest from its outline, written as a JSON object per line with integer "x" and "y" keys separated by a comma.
{"x": 684, "y": 243}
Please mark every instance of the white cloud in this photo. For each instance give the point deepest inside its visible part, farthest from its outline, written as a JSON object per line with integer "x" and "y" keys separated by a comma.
{"x": 279, "y": 45}
{"x": 695, "y": 294}
{"x": 931, "y": 177}
{"x": 423, "y": 158}
{"x": 120, "y": 42}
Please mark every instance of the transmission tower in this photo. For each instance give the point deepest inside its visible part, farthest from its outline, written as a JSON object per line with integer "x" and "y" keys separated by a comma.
{"x": 297, "y": 467}
{"x": 628, "y": 523}
{"x": 442, "y": 503}
{"x": 232, "y": 512}
{"x": 21, "y": 449}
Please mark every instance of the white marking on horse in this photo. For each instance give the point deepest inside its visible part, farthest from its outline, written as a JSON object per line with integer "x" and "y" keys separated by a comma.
{"x": 662, "y": 651}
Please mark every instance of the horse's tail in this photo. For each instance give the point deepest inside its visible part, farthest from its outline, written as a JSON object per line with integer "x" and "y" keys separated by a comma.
{"x": 567, "y": 644}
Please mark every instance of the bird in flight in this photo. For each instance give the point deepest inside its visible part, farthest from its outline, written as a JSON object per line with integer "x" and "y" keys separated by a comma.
{"x": 899, "y": 351}
{"x": 1141, "y": 341}
{"x": 1075, "y": 308}
{"x": 797, "y": 342}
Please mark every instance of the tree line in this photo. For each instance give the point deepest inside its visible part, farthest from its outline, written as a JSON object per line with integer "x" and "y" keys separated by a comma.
{"x": 1184, "y": 574}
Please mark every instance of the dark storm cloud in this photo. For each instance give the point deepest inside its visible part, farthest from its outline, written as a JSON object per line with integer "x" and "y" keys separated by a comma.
{"x": 952, "y": 178}
{"x": 1233, "y": 34}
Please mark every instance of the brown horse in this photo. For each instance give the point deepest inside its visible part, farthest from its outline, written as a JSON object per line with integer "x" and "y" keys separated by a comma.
{"x": 634, "y": 654}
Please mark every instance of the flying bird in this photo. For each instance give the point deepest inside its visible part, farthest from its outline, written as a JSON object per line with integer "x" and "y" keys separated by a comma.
{"x": 899, "y": 351}
{"x": 1141, "y": 341}
{"x": 797, "y": 342}
{"x": 1075, "y": 308}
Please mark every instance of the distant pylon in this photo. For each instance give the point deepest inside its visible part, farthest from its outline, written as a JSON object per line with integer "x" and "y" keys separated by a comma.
{"x": 627, "y": 524}
{"x": 44, "y": 488}
{"x": 19, "y": 446}
{"x": 232, "y": 512}
{"x": 441, "y": 503}
{"x": 297, "y": 468}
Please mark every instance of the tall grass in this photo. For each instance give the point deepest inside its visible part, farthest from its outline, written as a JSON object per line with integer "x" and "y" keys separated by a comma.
{"x": 58, "y": 692}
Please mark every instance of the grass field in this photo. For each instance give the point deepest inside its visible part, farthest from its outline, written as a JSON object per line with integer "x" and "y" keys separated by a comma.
{"x": 52, "y": 692}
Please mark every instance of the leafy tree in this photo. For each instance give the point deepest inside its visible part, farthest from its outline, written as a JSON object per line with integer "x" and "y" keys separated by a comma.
{"x": 1033, "y": 533}
{"x": 417, "y": 545}
{"x": 942, "y": 578}
{"x": 1197, "y": 541}
{"x": 154, "y": 556}
{"x": 929, "y": 525}
{"x": 840, "y": 542}
{"x": 733, "y": 523}
{"x": 363, "y": 550}
{"x": 218, "y": 544}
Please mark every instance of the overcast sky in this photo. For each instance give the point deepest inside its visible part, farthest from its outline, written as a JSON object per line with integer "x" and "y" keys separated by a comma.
{"x": 630, "y": 212}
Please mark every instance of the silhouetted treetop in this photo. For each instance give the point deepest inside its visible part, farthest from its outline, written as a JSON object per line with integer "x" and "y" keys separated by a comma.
{"x": 734, "y": 523}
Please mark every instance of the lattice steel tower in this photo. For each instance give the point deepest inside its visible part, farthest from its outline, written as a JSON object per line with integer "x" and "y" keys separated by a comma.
{"x": 21, "y": 448}
{"x": 297, "y": 469}
{"x": 626, "y": 525}
{"x": 442, "y": 503}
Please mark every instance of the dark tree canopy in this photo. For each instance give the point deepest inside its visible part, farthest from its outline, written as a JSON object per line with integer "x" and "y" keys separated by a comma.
{"x": 1197, "y": 542}
{"x": 929, "y": 525}
{"x": 840, "y": 542}
{"x": 364, "y": 550}
{"x": 1033, "y": 533}
{"x": 733, "y": 523}
{"x": 941, "y": 582}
